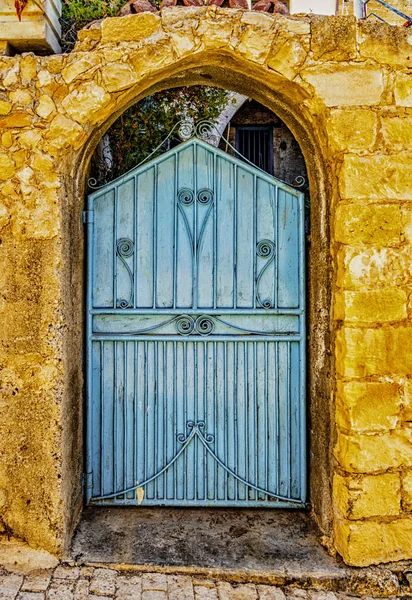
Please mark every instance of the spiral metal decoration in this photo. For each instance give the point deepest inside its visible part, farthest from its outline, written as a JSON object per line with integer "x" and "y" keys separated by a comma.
{"x": 185, "y": 325}
{"x": 186, "y": 130}
{"x": 204, "y": 196}
{"x": 125, "y": 247}
{"x": 204, "y": 325}
{"x": 300, "y": 181}
{"x": 204, "y": 129}
{"x": 265, "y": 248}
{"x": 186, "y": 196}
{"x": 199, "y": 429}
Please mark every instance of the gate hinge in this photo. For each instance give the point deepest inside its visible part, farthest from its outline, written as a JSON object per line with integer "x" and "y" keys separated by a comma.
{"x": 87, "y": 216}
{"x": 87, "y": 482}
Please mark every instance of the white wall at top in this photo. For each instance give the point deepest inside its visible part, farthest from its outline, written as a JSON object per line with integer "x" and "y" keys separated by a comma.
{"x": 317, "y": 7}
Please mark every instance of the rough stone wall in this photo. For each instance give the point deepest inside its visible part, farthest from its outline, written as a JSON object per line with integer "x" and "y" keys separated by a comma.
{"x": 345, "y": 91}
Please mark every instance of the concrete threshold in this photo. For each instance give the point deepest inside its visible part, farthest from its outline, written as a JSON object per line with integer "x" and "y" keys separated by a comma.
{"x": 279, "y": 548}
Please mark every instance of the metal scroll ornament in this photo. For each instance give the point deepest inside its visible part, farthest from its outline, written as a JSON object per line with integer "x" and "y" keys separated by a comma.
{"x": 124, "y": 250}
{"x": 264, "y": 249}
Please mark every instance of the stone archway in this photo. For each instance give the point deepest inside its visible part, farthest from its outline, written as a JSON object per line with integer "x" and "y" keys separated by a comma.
{"x": 331, "y": 99}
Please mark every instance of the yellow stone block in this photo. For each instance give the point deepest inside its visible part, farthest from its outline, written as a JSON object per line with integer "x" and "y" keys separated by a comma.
{"x": 371, "y": 453}
{"x": 377, "y": 177}
{"x": 381, "y": 306}
{"x": 407, "y": 407}
{"x": 15, "y": 120}
{"x": 362, "y": 497}
{"x": 363, "y": 268}
{"x": 30, "y": 138}
{"x": 22, "y": 97}
{"x": 7, "y": 167}
{"x": 5, "y": 107}
{"x": 384, "y": 43}
{"x": 363, "y": 543}
{"x": 78, "y": 67}
{"x": 7, "y": 139}
{"x": 286, "y": 56}
{"x": 365, "y": 352}
{"x": 403, "y": 89}
{"x": 346, "y": 85}
{"x": 256, "y": 35}
{"x": 397, "y": 132}
{"x": 333, "y": 38}
{"x": 85, "y": 102}
{"x": 64, "y": 132}
{"x": 368, "y": 406}
{"x": 352, "y": 129}
{"x": 28, "y": 69}
{"x": 117, "y": 77}
{"x": 45, "y": 107}
{"x": 407, "y": 491}
{"x": 130, "y": 28}
{"x": 378, "y": 225}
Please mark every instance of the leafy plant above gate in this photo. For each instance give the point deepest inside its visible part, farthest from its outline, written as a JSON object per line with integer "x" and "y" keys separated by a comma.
{"x": 143, "y": 127}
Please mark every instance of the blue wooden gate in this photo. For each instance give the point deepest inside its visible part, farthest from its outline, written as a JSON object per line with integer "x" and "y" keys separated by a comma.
{"x": 196, "y": 335}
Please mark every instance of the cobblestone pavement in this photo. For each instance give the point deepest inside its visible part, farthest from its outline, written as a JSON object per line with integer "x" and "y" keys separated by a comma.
{"x": 88, "y": 583}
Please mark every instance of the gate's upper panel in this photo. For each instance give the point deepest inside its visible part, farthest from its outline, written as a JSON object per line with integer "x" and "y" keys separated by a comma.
{"x": 190, "y": 230}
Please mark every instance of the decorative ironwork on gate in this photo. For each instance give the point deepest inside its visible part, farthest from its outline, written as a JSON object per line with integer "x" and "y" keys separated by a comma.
{"x": 196, "y": 334}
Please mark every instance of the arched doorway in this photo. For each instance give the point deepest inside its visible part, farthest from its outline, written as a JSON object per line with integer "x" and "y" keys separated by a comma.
{"x": 196, "y": 338}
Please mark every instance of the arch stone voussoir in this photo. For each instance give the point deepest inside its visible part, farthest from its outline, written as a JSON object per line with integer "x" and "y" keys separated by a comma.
{"x": 348, "y": 102}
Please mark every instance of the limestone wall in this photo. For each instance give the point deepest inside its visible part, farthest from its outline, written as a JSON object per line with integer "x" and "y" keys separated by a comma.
{"x": 345, "y": 91}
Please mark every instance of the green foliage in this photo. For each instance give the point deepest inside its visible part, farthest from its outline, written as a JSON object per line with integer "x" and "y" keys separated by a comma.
{"x": 78, "y": 13}
{"x": 144, "y": 126}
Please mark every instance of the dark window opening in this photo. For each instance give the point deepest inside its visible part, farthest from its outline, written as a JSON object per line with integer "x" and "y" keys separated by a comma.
{"x": 255, "y": 143}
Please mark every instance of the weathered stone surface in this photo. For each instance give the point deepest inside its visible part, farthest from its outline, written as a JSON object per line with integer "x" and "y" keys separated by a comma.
{"x": 130, "y": 28}
{"x": 79, "y": 67}
{"x": 353, "y": 129}
{"x": 239, "y": 592}
{"x": 346, "y": 85}
{"x": 363, "y": 542}
{"x": 333, "y": 38}
{"x": 368, "y": 496}
{"x": 154, "y": 581}
{"x": 377, "y": 224}
{"x": 118, "y": 77}
{"x": 45, "y": 107}
{"x": 16, "y": 119}
{"x": 205, "y": 593}
{"x": 371, "y": 268}
{"x": 85, "y": 102}
{"x": 382, "y": 306}
{"x": 365, "y": 352}
{"x": 267, "y": 592}
{"x": 376, "y": 177}
{"x": 286, "y": 56}
{"x": 363, "y": 453}
{"x": 407, "y": 491}
{"x": 367, "y": 406}
{"x": 5, "y": 107}
{"x": 7, "y": 167}
{"x": 384, "y": 43}
{"x": 403, "y": 89}
{"x": 64, "y": 132}
{"x": 180, "y": 588}
{"x": 37, "y": 581}
{"x": 397, "y": 132}
{"x": 103, "y": 582}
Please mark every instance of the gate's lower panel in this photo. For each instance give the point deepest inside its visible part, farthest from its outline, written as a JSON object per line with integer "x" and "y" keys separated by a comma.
{"x": 217, "y": 423}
